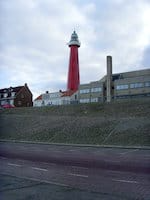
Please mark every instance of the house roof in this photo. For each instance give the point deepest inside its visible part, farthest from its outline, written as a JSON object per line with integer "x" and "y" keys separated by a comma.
{"x": 68, "y": 93}
{"x": 11, "y": 89}
{"x": 38, "y": 98}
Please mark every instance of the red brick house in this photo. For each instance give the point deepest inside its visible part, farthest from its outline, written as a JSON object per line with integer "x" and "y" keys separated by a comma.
{"x": 20, "y": 96}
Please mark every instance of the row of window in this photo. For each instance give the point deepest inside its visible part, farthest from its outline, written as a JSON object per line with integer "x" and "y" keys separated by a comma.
{"x": 133, "y": 85}
{"x": 96, "y": 89}
{"x": 84, "y": 100}
{"x": 122, "y": 87}
{"x": 84, "y": 91}
{"x": 49, "y": 96}
{"x": 88, "y": 100}
{"x": 7, "y": 102}
{"x": 5, "y": 95}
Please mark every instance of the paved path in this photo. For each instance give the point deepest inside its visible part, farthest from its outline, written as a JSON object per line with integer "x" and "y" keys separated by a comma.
{"x": 82, "y": 180}
{"x": 136, "y": 160}
{"x": 87, "y": 182}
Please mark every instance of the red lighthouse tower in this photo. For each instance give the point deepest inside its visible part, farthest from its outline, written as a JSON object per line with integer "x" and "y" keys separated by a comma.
{"x": 73, "y": 73}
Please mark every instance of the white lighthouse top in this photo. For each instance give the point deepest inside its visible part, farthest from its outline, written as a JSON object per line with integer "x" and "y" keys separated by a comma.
{"x": 74, "y": 40}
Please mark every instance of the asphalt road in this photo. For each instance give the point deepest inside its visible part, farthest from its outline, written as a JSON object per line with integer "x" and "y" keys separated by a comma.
{"x": 70, "y": 178}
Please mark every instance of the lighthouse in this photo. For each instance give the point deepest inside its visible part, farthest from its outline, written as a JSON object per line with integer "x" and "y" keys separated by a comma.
{"x": 73, "y": 72}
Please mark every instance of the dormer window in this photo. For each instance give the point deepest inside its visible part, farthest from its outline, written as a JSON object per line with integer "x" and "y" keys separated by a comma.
{"x": 5, "y": 95}
{"x": 13, "y": 94}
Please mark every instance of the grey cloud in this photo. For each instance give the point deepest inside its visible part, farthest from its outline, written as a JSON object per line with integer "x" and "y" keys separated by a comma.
{"x": 34, "y": 36}
{"x": 146, "y": 58}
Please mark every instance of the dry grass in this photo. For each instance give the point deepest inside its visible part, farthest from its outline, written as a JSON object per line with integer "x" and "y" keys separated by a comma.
{"x": 120, "y": 123}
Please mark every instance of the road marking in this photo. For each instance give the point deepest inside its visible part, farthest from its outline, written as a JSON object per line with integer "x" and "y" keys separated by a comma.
{"x": 4, "y": 158}
{"x": 107, "y": 160}
{"x": 124, "y": 181}
{"x": 12, "y": 164}
{"x": 41, "y": 169}
{"x": 39, "y": 180}
{"x": 72, "y": 150}
{"x": 146, "y": 156}
{"x": 76, "y": 167}
{"x": 58, "y": 151}
{"x": 129, "y": 151}
{"x": 79, "y": 175}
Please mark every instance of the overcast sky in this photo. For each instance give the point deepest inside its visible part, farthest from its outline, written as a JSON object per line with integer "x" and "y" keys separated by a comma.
{"x": 34, "y": 36}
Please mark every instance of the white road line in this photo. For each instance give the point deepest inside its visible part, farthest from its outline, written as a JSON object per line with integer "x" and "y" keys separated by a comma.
{"x": 57, "y": 151}
{"x": 12, "y": 164}
{"x": 39, "y": 180}
{"x": 72, "y": 150}
{"x": 76, "y": 167}
{"x": 124, "y": 181}
{"x": 124, "y": 153}
{"x": 4, "y": 158}
{"x": 41, "y": 169}
{"x": 146, "y": 156}
{"x": 79, "y": 175}
{"x": 107, "y": 160}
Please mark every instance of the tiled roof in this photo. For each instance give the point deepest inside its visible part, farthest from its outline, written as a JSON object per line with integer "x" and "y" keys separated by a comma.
{"x": 68, "y": 93}
{"x": 38, "y": 98}
{"x": 11, "y": 89}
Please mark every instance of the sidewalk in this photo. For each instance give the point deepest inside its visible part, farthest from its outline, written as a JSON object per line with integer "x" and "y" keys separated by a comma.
{"x": 78, "y": 145}
{"x": 122, "y": 159}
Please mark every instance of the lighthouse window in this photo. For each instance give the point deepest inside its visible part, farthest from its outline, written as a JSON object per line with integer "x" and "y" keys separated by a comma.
{"x": 122, "y": 87}
{"x": 96, "y": 89}
{"x": 84, "y": 91}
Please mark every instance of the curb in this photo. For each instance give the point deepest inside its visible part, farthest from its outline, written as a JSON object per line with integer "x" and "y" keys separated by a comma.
{"x": 78, "y": 145}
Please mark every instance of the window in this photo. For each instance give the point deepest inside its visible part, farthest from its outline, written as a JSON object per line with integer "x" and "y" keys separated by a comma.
{"x": 122, "y": 87}
{"x": 19, "y": 103}
{"x": 5, "y": 95}
{"x": 147, "y": 84}
{"x": 13, "y": 94}
{"x": 84, "y": 100}
{"x": 11, "y": 101}
{"x": 96, "y": 89}
{"x": 136, "y": 85}
{"x": 94, "y": 99}
{"x": 83, "y": 91}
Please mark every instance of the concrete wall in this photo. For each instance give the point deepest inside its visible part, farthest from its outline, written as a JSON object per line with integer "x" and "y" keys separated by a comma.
{"x": 109, "y": 79}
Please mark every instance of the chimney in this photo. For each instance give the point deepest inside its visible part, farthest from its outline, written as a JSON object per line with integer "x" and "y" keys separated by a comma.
{"x": 109, "y": 78}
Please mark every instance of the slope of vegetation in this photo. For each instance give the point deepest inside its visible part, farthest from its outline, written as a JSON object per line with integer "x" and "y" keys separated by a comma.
{"x": 124, "y": 122}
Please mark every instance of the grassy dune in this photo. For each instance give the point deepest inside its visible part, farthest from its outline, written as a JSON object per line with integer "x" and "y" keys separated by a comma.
{"x": 124, "y": 122}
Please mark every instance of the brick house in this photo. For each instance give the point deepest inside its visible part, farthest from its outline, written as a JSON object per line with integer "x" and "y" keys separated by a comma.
{"x": 19, "y": 96}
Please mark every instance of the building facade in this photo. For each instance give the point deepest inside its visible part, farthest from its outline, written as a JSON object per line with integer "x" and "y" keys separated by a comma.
{"x": 119, "y": 86}
{"x": 48, "y": 99}
{"x": 123, "y": 85}
{"x": 132, "y": 84}
{"x": 20, "y": 96}
{"x": 91, "y": 92}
